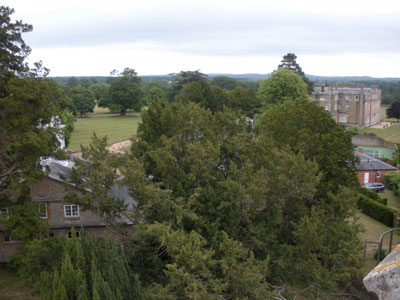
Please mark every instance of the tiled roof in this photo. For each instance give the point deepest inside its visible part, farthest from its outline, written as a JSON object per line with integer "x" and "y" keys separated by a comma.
{"x": 368, "y": 163}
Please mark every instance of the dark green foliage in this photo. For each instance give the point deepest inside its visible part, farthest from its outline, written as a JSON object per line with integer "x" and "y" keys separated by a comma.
{"x": 226, "y": 178}
{"x": 225, "y": 83}
{"x": 372, "y": 195}
{"x": 13, "y": 49}
{"x": 306, "y": 128}
{"x": 382, "y": 255}
{"x": 393, "y": 111}
{"x": 244, "y": 100}
{"x": 90, "y": 269}
{"x": 182, "y": 78}
{"x": 376, "y": 210}
{"x": 289, "y": 62}
{"x": 155, "y": 89}
{"x": 24, "y": 222}
{"x": 100, "y": 93}
{"x": 82, "y": 99}
{"x": 25, "y": 111}
{"x": 392, "y": 180}
{"x": 37, "y": 256}
{"x": 126, "y": 91}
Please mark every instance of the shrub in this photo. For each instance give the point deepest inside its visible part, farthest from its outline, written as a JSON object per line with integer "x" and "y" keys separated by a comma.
{"x": 372, "y": 195}
{"x": 392, "y": 180}
{"x": 382, "y": 255}
{"x": 376, "y": 210}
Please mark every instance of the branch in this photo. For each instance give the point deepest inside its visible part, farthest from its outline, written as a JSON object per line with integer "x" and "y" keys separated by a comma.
{"x": 9, "y": 171}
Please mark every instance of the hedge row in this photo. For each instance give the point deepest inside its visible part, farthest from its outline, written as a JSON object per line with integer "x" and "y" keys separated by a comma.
{"x": 392, "y": 180}
{"x": 376, "y": 210}
{"x": 373, "y": 195}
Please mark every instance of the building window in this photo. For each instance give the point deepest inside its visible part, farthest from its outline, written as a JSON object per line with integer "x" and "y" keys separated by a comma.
{"x": 339, "y": 106}
{"x": 71, "y": 211}
{"x": 378, "y": 174}
{"x": 374, "y": 153}
{"x": 356, "y": 97}
{"x": 328, "y": 106}
{"x": 7, "y": 239}
{"x": 50, "y": 234}
{"x": 347, "y": 97}
{"x": 77, "y": 233}
{"x": 42, "y": 210}
{"x": 4, "y": 214}
{"x": 342, "y": 119}
{"x": 347, "y": 107}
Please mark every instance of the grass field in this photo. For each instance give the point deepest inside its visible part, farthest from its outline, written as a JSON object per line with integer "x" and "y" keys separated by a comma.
{"x": 393, "y": 200}
{"x": 391, "y": 134}
{"x": 117, "y": 128}
{"x": 383, "y": 115}
{"x": 373, "y": 230}
{"x": 12, "y": 288}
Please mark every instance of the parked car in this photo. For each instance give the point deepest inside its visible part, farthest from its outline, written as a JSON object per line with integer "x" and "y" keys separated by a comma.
{"x": 374, "y": 186}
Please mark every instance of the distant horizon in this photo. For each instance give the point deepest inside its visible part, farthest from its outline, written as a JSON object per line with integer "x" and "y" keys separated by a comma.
{"x": 237, "y": 74}
{"x": 92, "y": 38}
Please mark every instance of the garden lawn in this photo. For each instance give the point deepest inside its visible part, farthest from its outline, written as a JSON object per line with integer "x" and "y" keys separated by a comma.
{"x": 391, "y": 134}
{"x": 116, "y": 128}
{"x": 383, "y": 115}
{"x": 393, "y": 200}
{"x": 373, "y": 231}
{"x": 12, "y": 288}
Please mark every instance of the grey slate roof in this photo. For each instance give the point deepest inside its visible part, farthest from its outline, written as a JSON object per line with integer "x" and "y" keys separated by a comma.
{"x": 368, "y": 163}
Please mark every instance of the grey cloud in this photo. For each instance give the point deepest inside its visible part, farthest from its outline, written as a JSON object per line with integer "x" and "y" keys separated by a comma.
{"x": 216, "y": 33}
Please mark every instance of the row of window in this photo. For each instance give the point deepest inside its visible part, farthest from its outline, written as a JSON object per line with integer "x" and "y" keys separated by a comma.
{"x": 70, "y": 211}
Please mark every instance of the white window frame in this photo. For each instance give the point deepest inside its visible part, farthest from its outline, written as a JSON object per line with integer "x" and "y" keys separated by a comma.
{"x": 70, "y": 212}
{"x": 342, "y": 119}
{"x": 40, "y": 210}
{"x": 6, "y": 212}
{"x": 378, "y": 174}
{"x": 10, "y": 240}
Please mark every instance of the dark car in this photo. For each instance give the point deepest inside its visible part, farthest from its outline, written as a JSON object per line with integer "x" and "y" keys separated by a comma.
{"x": 374, "y": 186}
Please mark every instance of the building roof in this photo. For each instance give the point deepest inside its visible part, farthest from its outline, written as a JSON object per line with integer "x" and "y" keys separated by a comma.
{"x": 61, "y": 170}
{"x": 342, "y": 90}
{"x": 368, "y": 163}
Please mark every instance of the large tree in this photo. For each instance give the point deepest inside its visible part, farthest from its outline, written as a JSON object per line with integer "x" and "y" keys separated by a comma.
{"x": 83, "y": 99}
{"x": 126, "y": 92}
{"x": 182, "y": 78}
{"x": 393, "y": 111}
{"x": 13, "y": 49}
{"x": 283, "y": 85}
{"x": 28, "y": 105}
{"x": 289, "y": 62}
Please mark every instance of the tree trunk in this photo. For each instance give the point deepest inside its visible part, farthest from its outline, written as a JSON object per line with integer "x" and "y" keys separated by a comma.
{"x": 123, "y": 112}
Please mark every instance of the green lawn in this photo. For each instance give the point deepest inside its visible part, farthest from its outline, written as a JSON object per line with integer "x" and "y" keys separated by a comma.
{"x": 393, "y": 200}
{"x": 383, "y": 115}
{"x": 12, "y": 288}
{"x": 117, "y": 128}
{"x": 373, "y": 230}
{"x": 391, "y": 134}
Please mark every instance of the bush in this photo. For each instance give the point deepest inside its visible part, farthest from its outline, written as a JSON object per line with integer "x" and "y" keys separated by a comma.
{"x": 376, "y": 210}
{"x": 382, "y": 255}
{"x": 372, "y": 195}
{"x": 392, "y": 180}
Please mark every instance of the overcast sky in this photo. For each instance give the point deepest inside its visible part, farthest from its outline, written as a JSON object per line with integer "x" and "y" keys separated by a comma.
{"x": 330, "y": 38}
